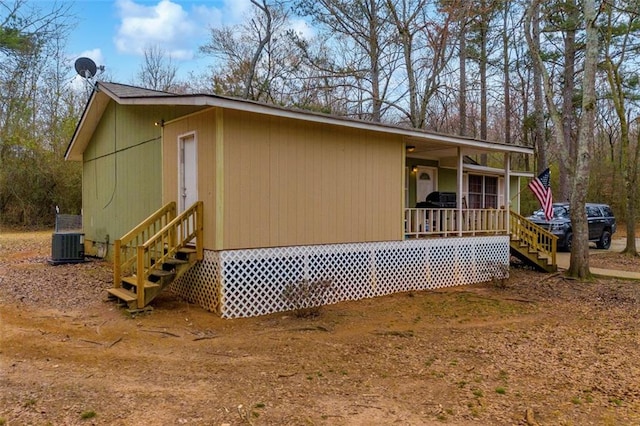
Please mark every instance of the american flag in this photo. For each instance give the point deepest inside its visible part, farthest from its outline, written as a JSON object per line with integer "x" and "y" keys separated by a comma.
{"x": 542, "y": 190}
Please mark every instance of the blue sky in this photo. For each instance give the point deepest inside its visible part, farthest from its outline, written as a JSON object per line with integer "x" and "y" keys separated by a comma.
{"x": 115, "y": 33}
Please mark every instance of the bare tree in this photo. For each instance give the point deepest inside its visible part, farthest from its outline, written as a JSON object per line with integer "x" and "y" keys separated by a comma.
{"x": 426, "y": 50}
{"x": 158, "y": 71}
{"x": 255, "y": 58}
{"x": 362, "y": 48}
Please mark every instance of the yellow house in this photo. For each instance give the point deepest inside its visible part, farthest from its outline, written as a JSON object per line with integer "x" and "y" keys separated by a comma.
{"x": 288, "y": 196}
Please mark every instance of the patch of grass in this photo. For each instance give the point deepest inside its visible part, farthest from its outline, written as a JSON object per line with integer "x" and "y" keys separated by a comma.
{"x": 462, "y": 384}
{"x": 397, "y": 333}
{"x": 500, "y": 390}
{"x": 89, "y": 414}
{"x": 260, "y": 405}
{"x": 429, "y": 361}
{"x": 3, "y": 421}
{"x": 576, "y": 400}
{"x": 616, "y": 401}
{"x": 478, "y": 393}
{"x": 588, "y": 398}
{"x": 29, "y": 403}
{"x": 503, "y": 375}
{"x": 438, "y": 374}
{"x": 475, "y": 412}
{"x": 453, "y": 362}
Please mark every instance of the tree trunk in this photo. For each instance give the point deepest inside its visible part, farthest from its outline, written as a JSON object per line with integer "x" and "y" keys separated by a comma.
{"x": 374, "y": 60}
{"x": 507, "y": 77}
{"x": 579, "y": 266}
{"x": 463, "y": 76}
{"x": 538, "y": 99}
{"x": 568, "y": 92}
{"x": 484, "y": 33}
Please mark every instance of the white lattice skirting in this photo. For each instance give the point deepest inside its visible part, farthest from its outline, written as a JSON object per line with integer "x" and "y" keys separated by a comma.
{"x": 246, "y": 283}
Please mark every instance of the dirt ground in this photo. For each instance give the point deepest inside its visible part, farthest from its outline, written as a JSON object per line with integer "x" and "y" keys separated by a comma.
{"x": 543, "y": 350}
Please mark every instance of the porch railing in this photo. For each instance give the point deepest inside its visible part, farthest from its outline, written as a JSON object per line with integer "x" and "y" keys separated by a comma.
{"x": 444, "y": 222}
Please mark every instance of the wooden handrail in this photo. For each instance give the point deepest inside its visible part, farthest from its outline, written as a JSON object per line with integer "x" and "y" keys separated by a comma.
{"x": 137, "y": 236}
{"x": 184, "y": 229}
{"x": 533, "y": 235}
{"x": 155, "y": 240}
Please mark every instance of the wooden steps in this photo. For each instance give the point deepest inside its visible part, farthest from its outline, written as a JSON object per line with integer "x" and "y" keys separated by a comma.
{"x": 532, "y": 244}
{"x": 160, "y": 249}
{"x": 539, "y": 260}
{"x": 158, "y": 278}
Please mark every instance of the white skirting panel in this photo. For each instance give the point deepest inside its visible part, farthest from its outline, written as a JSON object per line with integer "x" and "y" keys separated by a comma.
{"x": 246, "y": 283}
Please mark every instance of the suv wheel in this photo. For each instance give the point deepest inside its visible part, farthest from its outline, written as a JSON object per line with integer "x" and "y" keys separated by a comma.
{"x": 568, "y": 241}
{"x": 605, "y": 241}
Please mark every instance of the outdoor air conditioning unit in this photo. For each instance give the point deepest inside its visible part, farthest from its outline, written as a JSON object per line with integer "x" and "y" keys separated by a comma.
{"x": 67, "y": 248}
{"x": 67, "y": 245}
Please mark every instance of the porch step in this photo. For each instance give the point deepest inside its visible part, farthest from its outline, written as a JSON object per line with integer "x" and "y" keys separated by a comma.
{"x": 133, "y": 280}
{"x": 175, "y": 262}
{"x": 126, "y": 296}
{"x": 161, "y": 273}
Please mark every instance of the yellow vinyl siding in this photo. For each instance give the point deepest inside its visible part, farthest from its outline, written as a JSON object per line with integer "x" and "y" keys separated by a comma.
{"x": 296, "y": 183}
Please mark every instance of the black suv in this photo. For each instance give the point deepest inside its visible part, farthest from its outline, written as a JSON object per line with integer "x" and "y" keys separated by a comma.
{"x": 602, "y": 224}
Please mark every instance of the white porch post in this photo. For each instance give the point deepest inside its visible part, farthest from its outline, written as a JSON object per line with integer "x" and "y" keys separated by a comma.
{"x": 507, "y": 188}
{"x": 459, "y": 191}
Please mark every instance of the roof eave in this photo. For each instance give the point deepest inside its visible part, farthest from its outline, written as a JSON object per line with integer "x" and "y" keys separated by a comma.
{"x": 88, "y": 121}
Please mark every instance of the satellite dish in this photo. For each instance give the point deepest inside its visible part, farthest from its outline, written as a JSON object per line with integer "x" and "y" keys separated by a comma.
{"x": 85, "y": 67}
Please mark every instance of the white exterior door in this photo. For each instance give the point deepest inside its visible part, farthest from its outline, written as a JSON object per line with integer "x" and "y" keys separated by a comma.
{"x": 426, "y": 182}
{"x": 187, "y": 171}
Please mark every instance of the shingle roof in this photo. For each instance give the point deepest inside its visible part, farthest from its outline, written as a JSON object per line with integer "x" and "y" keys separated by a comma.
{"x": 125, "y": 91}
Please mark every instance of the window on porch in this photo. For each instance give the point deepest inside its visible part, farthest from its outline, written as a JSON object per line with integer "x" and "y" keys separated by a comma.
{"x": 483, "y": 192}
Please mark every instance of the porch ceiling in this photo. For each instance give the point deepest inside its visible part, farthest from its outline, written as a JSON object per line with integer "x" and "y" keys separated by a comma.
{"x": 432, "y": 149}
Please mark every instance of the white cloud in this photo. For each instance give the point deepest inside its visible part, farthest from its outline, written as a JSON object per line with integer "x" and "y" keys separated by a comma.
{"x": 302, "y": 28}
{"x": 165, "y": 24}
{"x": 93, "y": 54}
{"x": 235, "y": 10}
